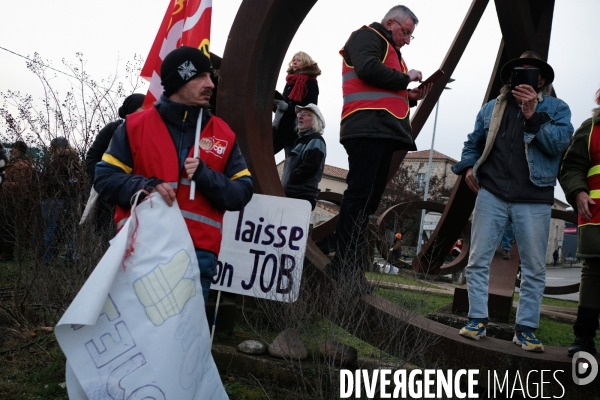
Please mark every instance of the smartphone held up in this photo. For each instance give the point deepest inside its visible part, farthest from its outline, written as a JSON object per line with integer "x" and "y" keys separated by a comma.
{"x": 524, "y": 76}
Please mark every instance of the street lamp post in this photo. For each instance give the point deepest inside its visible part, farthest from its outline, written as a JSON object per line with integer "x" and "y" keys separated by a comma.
{"x": 428, "y": 176}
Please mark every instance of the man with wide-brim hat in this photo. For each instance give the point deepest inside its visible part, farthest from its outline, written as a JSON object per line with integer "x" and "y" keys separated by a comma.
{"x": 511, "y": 161}
{"x": 528, "y": 59}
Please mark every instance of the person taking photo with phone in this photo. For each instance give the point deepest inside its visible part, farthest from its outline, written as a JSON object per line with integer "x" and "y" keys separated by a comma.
{"x": 511, "y": 161}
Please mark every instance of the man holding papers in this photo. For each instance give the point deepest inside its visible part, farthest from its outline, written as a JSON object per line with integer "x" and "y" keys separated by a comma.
{"x": 375, "y": 123}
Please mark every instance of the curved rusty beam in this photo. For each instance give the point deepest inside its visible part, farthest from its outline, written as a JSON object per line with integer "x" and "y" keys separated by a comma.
{"x": 332, "y": 197}
{"x": 455, "y": 216}
{"x": 328, "y": 227}
{"x": 257, "y": 43}
{"x": 260, "y": 35}
{"x": 395, "y": 212}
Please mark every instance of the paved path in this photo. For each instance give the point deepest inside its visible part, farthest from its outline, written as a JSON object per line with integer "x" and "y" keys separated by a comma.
{"x": 560, "y": 276}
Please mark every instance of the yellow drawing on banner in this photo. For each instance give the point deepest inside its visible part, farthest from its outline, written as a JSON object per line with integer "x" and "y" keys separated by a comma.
{"x": 164, "y": 290}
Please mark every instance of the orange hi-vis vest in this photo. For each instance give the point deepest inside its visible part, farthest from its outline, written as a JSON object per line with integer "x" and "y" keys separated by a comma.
{"x": 359, "y": 95}
{"x": 593, "y": 177}
{"x": 154, "y": 155}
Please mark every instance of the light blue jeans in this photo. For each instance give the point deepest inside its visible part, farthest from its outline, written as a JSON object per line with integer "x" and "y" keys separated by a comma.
{"x": 531, "y": 224}
{"x": 507, "y": 238}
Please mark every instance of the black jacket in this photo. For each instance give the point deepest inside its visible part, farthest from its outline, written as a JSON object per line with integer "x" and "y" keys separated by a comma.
{"x": 287, "y": 125}
{"x": 365, "y": 51}
{"x": 285, "y": 135}
{"x": 304, "y": 167}
{"x": 505, "y": 172}
{"x": 97, "y": 149}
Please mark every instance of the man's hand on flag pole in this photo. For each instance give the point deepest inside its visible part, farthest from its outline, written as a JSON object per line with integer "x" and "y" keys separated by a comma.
{"x": 191, "y": 165}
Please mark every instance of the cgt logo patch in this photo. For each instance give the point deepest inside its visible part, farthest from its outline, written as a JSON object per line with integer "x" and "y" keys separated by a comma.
{"x": 214, "y": 145}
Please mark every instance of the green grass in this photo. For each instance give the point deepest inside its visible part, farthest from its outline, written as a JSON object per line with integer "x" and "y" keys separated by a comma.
{"x": 35, "y": 372}
{"x": 400, "y": 279}
{"x": 555, "y": 333}
{"x": 324, "y": 329}
{"x": 241, "y": 391}
{"x": 422, "y": 302}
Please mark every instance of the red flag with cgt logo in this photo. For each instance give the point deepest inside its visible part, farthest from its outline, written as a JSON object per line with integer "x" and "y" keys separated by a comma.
{"x": 186, "y": 23}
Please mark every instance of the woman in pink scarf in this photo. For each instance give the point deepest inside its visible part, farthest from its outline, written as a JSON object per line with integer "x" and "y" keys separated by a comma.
{"x": 301, "y": 88}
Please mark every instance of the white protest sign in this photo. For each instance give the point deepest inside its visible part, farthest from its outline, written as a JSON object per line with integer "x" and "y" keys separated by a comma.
{"x": 262, "y": 251}
{"x": 137, "y": 329}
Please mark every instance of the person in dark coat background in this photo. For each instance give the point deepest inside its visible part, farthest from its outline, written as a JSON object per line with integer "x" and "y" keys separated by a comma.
{"x": 304, "y": 166}
{"x": 131, "y": 104}
{"x": 301, "y": 88}
{"x": 61, "y": 182}
{"x": 15, "y": 200}
{"x": 104, "y": 211}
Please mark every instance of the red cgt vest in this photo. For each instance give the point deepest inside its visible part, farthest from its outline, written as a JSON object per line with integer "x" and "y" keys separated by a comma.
{"x": 593, "y": 177}
{"x": 154, "y": 154}
{"x": 359, "y": 95}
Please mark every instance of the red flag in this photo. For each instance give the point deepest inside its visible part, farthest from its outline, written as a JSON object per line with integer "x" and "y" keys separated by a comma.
{"x": 186, "y": 23}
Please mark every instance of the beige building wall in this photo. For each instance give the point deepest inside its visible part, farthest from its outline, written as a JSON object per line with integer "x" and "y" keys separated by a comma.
{"x": 331, "y": 185}
{"x": 441, "y": 165}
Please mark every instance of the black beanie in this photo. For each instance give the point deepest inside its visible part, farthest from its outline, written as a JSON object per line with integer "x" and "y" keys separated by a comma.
{"x": 130, "y": 104}
{"x": 180, "y": 66}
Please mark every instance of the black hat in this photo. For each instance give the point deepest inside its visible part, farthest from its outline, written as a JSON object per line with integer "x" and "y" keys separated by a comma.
{"x": 130, "y": 104}
{"x": 21, "y": 146}
{"x": 180, "y": 66}
{"x": 531, "y": 58}
{"x": 58, "y": 142}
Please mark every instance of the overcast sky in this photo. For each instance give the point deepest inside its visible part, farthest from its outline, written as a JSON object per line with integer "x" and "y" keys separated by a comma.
{"x": 110, "y": 32}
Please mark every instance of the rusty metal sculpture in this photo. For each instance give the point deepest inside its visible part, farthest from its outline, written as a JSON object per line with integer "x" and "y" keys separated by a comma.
{"x": 260, "y": 35}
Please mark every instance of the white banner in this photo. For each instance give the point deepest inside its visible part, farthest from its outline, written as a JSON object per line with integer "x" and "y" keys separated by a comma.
{"x": 262, "y": 251}
{"x": 138, "y": 329}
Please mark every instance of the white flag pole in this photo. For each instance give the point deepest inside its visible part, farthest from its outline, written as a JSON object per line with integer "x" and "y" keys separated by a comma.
{"x": 196, "y": 151}
{"x": 212, "y": 333}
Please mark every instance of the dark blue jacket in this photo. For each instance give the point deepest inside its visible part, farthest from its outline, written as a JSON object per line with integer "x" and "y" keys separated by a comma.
{"x": 229, "y": 191}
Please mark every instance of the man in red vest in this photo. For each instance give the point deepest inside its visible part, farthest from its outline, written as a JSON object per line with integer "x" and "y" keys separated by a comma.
{"x": 375, "y": 123}
{"x": 153, "y": 150}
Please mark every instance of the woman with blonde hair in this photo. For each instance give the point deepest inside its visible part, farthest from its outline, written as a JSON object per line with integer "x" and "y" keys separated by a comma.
{"x": 301, "y": 88}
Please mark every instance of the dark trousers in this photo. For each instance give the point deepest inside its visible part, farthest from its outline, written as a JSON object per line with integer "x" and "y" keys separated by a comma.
{"x": 283, "y": 140}
{"x": 589, "y": 295}
{"x": 589, "y": 299}
{"x": 369, "y": 162}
